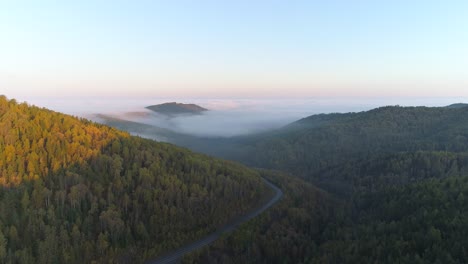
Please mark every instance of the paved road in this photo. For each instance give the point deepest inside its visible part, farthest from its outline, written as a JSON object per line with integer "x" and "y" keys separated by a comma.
{"x": 176, "y": 255}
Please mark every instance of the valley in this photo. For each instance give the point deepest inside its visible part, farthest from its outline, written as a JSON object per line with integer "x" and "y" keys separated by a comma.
{"x": 233, "y": 132}
{"x": 358, "y": 158}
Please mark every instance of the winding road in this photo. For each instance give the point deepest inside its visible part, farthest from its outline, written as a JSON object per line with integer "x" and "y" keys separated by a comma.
{"x": 177, "y": 254}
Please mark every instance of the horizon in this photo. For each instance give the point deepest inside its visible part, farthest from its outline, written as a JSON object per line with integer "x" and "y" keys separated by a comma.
{"x": 233, "y": 103}
{"x": 232, "y": 50}
{"x": 227, "y": 116}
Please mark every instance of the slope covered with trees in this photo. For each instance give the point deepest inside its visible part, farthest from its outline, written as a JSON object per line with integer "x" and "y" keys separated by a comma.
{"x": 396, "y": 169}
{"x": 402, "y": 211}
{"x": 313, "y": 144}
{"x": 422, "y": 222}
{"x": 72, "y": 191}
{"x": 398, "y": 173}
{"x": 401, "y": 175}
{"x": 290, "y": 232}
{"x": 317, "y": 143}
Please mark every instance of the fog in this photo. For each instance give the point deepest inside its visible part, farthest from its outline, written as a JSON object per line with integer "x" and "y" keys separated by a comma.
{"x": 227, "y": 117}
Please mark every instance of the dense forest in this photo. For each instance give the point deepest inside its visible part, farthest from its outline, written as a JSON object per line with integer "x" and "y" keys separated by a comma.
{"x": 317, "y": 144}
{"x": 396, "y": 169}
{"x": 399, "y": 178}
{"x": 72, "y": 191}
{"x": 312, "y": 145}
{"x": 423, "y": 222}
{"x": 383, "y": 186}
{"x": 420, "y": 222}
{"x": 412, "y": 216}
{"x": 290, "y": 232}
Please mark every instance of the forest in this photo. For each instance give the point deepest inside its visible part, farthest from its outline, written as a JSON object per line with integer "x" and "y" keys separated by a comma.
{"x": 383, "y": 186}
{"x": 73, "y": 191}
{"x": 393, "y": 179}
{"x": 422, "y": 222}
{"x": 288, "y": 233}
{"x": 314, "y": 144}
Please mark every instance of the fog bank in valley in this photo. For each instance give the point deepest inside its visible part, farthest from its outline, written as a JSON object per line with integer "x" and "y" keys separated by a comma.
{"x": 227, "y": 117}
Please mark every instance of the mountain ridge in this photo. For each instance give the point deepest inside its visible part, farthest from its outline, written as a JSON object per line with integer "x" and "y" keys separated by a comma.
{"x": 174, "y": 108}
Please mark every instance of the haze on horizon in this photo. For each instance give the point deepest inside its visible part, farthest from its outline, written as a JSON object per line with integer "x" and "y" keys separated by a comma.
{"x": 242, "y": 49}
{"x": 226, "y": 117}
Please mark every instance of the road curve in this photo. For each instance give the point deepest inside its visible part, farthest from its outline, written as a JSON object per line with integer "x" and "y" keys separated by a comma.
{"x": 177, "y": 254}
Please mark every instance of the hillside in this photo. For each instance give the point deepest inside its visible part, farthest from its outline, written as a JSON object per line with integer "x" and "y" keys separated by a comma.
{"x": 422, "y": 222}
{"x": 399, "y": 174}
{"x": 288, "y": 233}
{"x": 402, "y": 178}
{"x": 72, "y": 191}
{"x": 314, "y": 144}
{"x": 174, "y": 108}
{"x": 459, "y": 105}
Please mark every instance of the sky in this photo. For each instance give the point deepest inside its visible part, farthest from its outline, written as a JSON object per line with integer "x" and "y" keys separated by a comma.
{"x": 234, "y": 49}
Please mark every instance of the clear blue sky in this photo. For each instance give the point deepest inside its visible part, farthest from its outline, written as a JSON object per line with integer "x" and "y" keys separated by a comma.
{"x": 234, "y": 48}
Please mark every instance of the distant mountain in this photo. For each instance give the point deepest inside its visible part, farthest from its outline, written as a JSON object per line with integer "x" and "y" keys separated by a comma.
{"x": 459, "y": 105}
{"x": 174, "y": 108}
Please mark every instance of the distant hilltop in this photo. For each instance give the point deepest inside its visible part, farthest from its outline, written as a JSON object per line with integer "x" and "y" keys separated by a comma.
{"x": 174, "y": 108}
{"x": 459, "y": 105}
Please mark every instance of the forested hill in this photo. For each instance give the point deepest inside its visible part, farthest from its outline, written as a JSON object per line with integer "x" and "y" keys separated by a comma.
{"x": 458, "y": 105}
{"x": 421, "y": 222}
{"x": 316, "y": 143}
{"x": 72, "y": 191}
{"x": 402, "y": 173}
{"x": 174, "y": 108}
